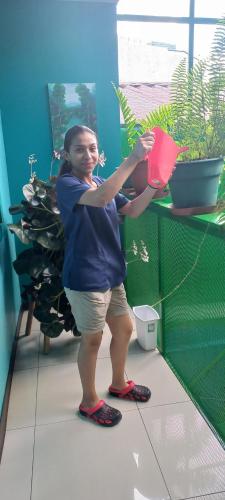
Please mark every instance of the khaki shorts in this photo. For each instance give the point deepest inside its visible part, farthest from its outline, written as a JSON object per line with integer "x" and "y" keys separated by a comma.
{"x": 90, "y": 308}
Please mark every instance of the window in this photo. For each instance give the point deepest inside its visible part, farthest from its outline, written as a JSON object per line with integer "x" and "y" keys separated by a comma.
{"x": 203, "y": 38}
{"x": 154, "y": 8}
{"x": 209, "y": 9}
{"x": 149, "y": 52}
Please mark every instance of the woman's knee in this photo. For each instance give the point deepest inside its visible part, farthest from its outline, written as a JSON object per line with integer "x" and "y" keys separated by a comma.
{"x": 91, "y": 340}
{"x": 127, "y": 328}
{"x": 128, "y": 331}
{"x": 120, "y": 326}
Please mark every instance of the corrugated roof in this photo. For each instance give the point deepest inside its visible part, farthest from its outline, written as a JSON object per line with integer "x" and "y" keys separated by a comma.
{"x": 144, "y": 97}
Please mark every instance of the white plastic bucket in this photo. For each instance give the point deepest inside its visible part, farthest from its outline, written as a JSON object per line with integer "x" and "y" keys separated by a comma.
{"x": 146, "y": 319}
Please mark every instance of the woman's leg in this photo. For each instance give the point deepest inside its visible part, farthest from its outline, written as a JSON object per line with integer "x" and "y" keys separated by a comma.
{"x": 121, "y": 329}
{"x": 87, "y": 357}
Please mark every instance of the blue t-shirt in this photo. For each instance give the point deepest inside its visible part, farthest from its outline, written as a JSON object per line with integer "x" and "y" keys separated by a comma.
{"x": 93, "y": 256}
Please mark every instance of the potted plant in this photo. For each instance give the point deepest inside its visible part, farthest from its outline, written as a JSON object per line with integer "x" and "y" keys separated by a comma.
{"x": 198, "y": 120}
{"x": 195, "y": 118}
{"x": 40, "y": 227}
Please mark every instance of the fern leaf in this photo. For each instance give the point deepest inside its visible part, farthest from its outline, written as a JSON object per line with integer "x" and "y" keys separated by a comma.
{"x": 159, "y": 117}
{"x": 179, "y": 98}
{"x": 216, "y": 90}
{"x": 129, "y": 118}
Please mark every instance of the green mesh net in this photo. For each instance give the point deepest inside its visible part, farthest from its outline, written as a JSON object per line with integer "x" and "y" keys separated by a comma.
{"x": 192, "y": 334}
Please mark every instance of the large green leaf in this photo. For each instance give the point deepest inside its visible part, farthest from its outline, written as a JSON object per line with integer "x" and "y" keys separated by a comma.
{"x": 28, "y": 192}
{"x": 52, "y": 329}
{"x": 27, "y": 254}
{"x": 42, "y": 313}
{"x": 41, "y": 192}
{"x": 37, "y": 265}
{"x": 31, "y": 264}
{"x": 48, "y": 242}
{"x": 61, "y": 304}
{"x": 21, "y": 266}
{"x": 19, "y": 232}
{"x": 34, "y": 264}
{"x": 49, "y": 292}
{"x": 16, "y": 209}
{"x": 50, "y": 270}
{"x": 76, "y": 332}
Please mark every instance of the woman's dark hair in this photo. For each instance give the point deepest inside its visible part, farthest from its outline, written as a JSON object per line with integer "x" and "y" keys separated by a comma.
{"x": 69, "y": 136}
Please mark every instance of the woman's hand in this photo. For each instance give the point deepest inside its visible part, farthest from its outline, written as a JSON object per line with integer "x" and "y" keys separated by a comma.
{"x": 103, "y": 194}
{"x": 143, "y": 145}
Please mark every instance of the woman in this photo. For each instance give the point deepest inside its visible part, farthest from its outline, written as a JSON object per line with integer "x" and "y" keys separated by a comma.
{"x": 94, "y": 266}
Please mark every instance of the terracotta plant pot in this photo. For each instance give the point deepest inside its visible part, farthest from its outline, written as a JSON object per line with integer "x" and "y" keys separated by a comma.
{"x": 139, "y": 177}
{"x": 138, "y": 180}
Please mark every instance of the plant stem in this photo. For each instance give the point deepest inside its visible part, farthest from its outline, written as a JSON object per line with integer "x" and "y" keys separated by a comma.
{"x": 189, "y": 272}
{"x": 135, "y": 260}
{"x": 58, "y": 305}
{"x": 43, "y": 228}
{"x": 57, "y": 296}
{"x": 47, "y": 210}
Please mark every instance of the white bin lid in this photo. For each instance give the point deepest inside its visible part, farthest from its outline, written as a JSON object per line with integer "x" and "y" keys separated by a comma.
{"x": 145, "y": 313}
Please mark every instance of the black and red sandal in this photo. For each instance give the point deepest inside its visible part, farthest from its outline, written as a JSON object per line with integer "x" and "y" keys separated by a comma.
{"x": 101, "y": 414}
{"x": 132, "y": 392}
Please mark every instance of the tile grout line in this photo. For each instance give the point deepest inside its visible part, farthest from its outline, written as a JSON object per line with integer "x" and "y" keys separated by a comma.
{"x": 20, "y": 428}
{"x": 58, "y": 421}
{"x": 135, "y": 401}
{"x": 148, "y": 437}
{"x": 25, "y": 369}
{"x": 22, "y": 334}
{"x": 76, "y": 419}
{"x": 35, "y": 421}
{"x": 168, "y": 404}
{"x": 204, "y": 496}
{"x": 164, "y": 404}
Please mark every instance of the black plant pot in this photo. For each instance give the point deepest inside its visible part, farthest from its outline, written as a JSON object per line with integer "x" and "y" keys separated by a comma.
{"x": 195, "y": 183}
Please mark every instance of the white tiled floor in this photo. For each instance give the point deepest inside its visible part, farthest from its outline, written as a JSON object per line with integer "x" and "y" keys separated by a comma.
{"x": 160, "y": 450}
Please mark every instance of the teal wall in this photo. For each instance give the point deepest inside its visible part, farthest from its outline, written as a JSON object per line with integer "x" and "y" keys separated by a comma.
{"x": 9, "y": 285}
{"x": 54, "y": 41}
{"x": 44, "y": 42}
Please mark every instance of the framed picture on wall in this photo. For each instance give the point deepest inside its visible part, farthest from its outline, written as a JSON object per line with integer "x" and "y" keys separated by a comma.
{"x": 70, "y": 104}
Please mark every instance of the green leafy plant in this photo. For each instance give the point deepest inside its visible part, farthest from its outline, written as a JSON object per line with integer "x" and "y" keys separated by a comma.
{"x": 198, "y": 103}
{"x": 40, "y": 227}
{"x": 196, "y": 114}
